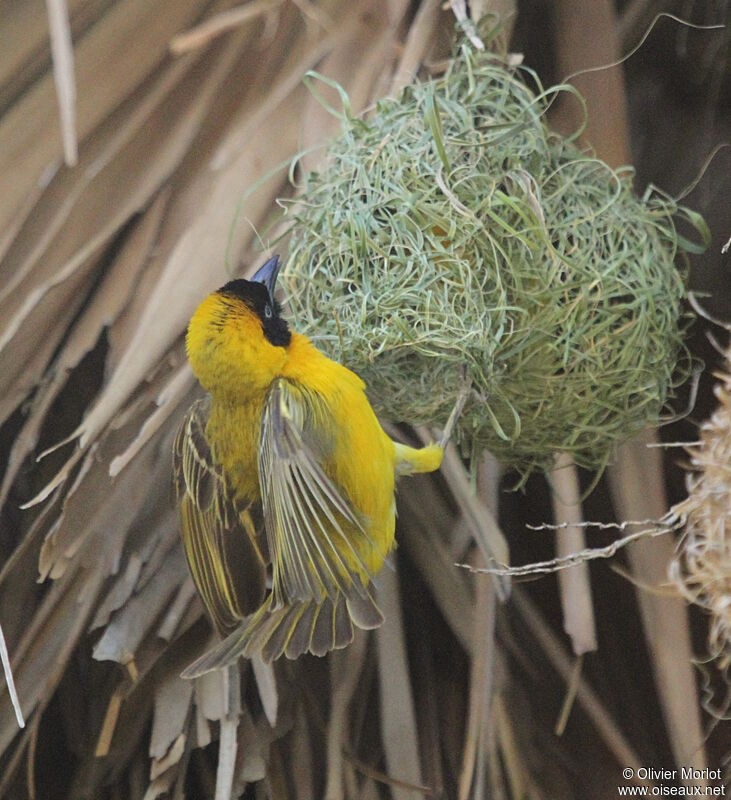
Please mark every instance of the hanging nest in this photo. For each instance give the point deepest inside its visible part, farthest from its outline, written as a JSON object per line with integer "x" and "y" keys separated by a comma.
{"x": 451, "y": 234}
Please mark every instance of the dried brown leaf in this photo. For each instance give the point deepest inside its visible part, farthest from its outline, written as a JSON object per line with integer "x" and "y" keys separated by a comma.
{"x": 371, "y": 36}
{"x": 160, "y": 766}
{"x": 26, "y": 47}
{"x": 417, "y": 44}
{"x": 41, "y": 655}
{"x": 106, "y": 304}
{"x": 172, "y": 621}
{"x": 24, "y": 360}
{"x": 182, "y": 282}
{"x": 120, "y": 592}
{"x": 114, "y": 194}
{"x": 173, "y": 697}
{"x": 107, "y": 71}
{"x": 128, "y": 627}
{"x": 210, "y": 696}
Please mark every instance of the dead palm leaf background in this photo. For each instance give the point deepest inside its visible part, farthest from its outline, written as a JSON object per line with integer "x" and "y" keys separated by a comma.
{"x": 166, "y": 113}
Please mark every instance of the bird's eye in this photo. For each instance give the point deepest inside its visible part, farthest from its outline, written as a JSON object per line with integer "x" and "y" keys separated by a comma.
{"x": 268, "y": 311}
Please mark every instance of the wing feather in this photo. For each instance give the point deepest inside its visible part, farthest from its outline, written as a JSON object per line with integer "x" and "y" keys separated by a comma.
{"x": 219, "y": 535}
{"x": 313, "y": 530}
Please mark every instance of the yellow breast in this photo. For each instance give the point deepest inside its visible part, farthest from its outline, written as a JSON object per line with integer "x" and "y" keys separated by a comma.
{"x": 233, "y": 432}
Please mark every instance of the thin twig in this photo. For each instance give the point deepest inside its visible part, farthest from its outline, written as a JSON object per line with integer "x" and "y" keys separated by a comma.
{"x": 31, "y": 761}
{"x": 455, "y": 414}
{"x": 564, "y": 562}
{"x": 386, "y": 780}
{"x": 568, "y": 703}
{"x": 481, "y": 681}
{"x": 9, "y": 680}
{"x": 228, "y": 744}
{"x": 399, "y": 732}
{"x": 365, "y": 769}
{"x": 482, "y": 667}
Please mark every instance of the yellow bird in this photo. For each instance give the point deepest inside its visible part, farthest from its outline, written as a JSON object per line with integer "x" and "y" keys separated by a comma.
{"x": 284, "y": 462}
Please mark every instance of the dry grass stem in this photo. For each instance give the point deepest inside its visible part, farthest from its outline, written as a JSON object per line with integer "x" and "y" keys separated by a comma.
{"x": 347, "y": 667}
{"x": 418, "y": 41}
{"x": 224, "y": 21}
{"x": 63, "y": 72}
{"x": 574, "y": 583}
{"x": 638, "y": 491}
{"x": 482, "y": 664}
{"x": 104, "y": 741}
{"x": 485, "y": 530}
{"x": 481, "y": 684}
{"x": 571, "y": 690}
{"x": 9, "y": 680}
{"x": 511, "y": 755}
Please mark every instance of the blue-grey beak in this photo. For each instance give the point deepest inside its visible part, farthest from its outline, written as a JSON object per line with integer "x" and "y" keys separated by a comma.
{"x": 267, "y": 274}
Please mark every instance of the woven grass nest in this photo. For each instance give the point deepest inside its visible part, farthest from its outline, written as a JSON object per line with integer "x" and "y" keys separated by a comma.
{"x": 452, "y": 236}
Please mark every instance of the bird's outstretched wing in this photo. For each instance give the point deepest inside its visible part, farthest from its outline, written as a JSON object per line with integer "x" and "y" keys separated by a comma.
{"x": 316, "y": 536}
{"x": 219, "y": 535}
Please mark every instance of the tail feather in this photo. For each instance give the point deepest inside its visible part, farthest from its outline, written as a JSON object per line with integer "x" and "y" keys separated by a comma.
{"x": 321, "y": 640}
{"x": 275, "y": 638}
{"x": 363, "y": 610}
{"x": 299, "y": 639}
{"x": 227, "y": 651}
{"x": 292, "y": 630}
